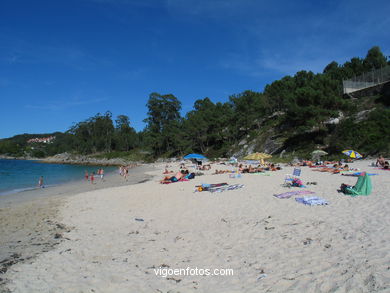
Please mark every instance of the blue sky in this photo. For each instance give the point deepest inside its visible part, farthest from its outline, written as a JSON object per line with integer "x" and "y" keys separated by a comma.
{"x": 64, "y": 61}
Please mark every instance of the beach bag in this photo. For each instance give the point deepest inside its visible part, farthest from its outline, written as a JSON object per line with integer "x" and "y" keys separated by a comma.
{"x": 190, "y": 176}
{"x": 297, "y": 182}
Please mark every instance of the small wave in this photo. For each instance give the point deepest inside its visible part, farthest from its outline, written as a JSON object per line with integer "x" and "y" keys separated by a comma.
{"x": 19, "y": 190}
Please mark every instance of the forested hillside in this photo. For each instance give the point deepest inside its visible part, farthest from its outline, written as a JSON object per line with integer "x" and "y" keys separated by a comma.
{"x": 294, "y": 114}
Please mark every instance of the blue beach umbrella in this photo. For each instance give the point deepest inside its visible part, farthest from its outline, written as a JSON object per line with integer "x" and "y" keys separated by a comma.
{"x": 195, "y": 156}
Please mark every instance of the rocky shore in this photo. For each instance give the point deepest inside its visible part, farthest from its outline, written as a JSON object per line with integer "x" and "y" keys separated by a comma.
{"x": 17, "y": 158}
{"x": 66, "y": 158}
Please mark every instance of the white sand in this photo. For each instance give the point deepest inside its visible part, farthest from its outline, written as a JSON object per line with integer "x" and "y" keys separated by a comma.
{"x": 273, "y": 245}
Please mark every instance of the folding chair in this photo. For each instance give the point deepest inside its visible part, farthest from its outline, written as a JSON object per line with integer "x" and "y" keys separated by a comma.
{"x": 296, "y": 174}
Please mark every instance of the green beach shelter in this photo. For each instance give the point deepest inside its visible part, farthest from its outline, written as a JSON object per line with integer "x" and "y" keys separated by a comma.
{"x": 362, "y": 187}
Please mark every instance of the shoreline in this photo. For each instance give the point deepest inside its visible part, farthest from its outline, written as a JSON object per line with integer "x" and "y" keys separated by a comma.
{"x": 30, "y": 220}
{"x": 61, "y": 182}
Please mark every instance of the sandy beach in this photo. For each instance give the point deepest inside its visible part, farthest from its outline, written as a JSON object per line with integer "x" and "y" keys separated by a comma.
{"x": 29, "y": 224}
{"x": 115, "y": 239}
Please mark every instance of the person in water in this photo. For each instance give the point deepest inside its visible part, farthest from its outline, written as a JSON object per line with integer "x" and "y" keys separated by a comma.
{"x": 40, "y": 182}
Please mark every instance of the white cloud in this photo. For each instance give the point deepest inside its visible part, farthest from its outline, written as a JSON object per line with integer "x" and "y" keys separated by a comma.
{"x": 65, "y": 104}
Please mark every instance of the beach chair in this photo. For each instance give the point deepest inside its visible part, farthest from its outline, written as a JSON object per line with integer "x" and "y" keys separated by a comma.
{"x": 295, "y": 175}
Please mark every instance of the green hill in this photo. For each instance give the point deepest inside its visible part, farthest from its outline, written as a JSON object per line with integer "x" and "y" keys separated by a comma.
{"x": 293, "y": 116}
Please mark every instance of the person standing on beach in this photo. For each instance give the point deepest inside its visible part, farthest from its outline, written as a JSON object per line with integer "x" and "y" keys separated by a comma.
{"x": 92, "y": 177}
{"x": 86, "y": 175}
{"x": 40, "y": 182}
{"x": 101, "y": 173}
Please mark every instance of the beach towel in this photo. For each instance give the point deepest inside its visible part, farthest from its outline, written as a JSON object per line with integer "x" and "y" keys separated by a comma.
{"x": 235, "y": 175}
{"x": 264, "y": 173}
{"x": 311, "y": 200}
{"x": 224, "y": 188}
{"x": 292, "y": 193}
{"x": 358, "y": 174}
{"x": 206, "y": 187}
{"x": 363, "y": 186}
{"x": 174, "y": 180}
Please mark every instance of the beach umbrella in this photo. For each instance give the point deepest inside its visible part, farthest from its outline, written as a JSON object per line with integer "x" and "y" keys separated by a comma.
{"x": 195, "y": 156}
{"x": 319, "y": 153}
{"x": 257, "y": 156}
{"x": 352, "y": 154}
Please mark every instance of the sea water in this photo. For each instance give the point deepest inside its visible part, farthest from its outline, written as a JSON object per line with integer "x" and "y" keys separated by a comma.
{"x": 21, "y": 175}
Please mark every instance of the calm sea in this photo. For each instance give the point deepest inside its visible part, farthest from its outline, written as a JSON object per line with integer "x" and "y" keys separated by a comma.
{"x": 20, "y": 175}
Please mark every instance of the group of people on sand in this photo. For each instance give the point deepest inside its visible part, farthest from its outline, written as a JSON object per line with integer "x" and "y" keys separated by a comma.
{"x": 259, "y": 168}
{"x": 250, "y": 169}
{"x": 381, "y": 162}
{"x": 335, "y": 169}
{"x": 91, "y": 177}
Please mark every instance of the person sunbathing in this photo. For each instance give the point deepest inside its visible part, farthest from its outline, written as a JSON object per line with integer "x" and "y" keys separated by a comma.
{"x": 169, "y": 179}
{"x": 259, "y": 168}
{"x": 245, "y": 170}
{"x": 327, "y": 169}
{"x": 251, "y": 169}
{"x": 219, "y": 172}
{"x": 380, "y": 162}
{"x": 206, "y": 167}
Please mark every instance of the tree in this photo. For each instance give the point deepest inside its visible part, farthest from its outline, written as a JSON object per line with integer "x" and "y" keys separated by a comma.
{"x": 163, "y": 123}
{"x": 248, "y": 108}
{"x": 331, "y": 67}
{"x": 126, "y": 136}
{"x": 94, "y": 134}
{"x": 375, "y": 59}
